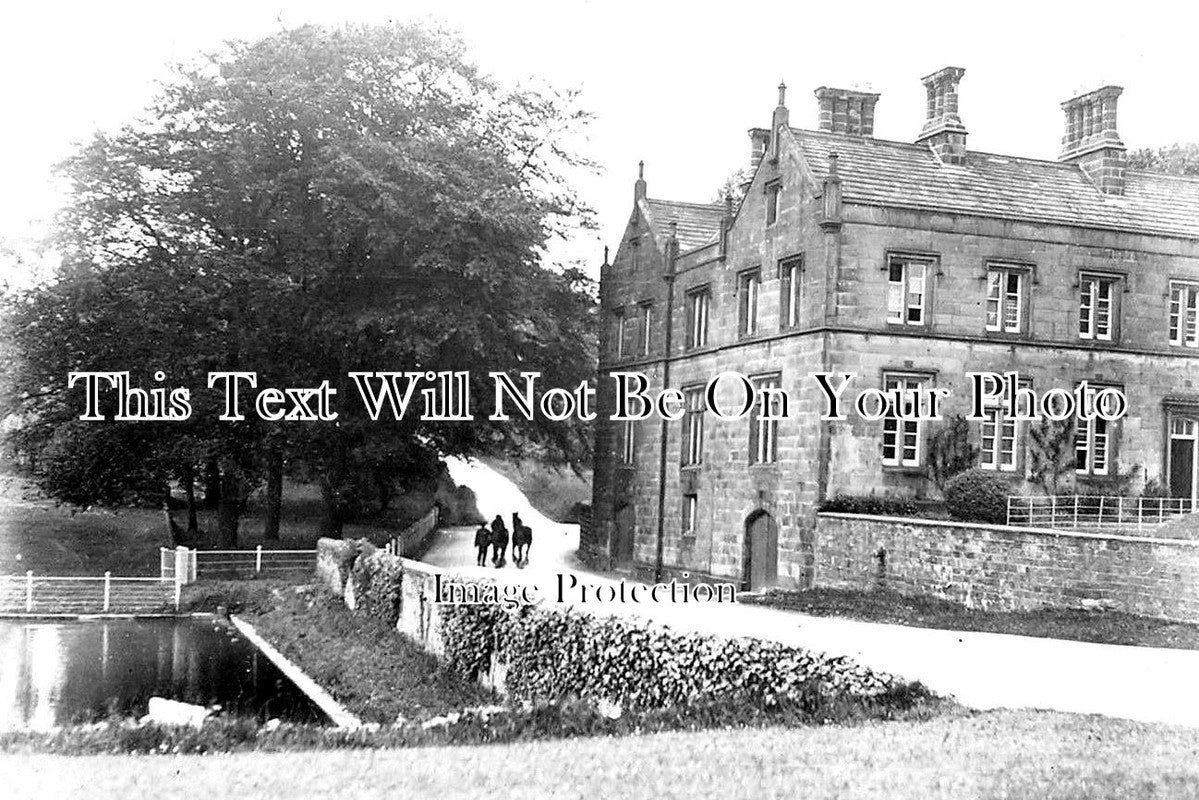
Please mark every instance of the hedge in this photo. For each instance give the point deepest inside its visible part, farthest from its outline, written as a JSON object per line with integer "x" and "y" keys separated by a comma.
{"x": 870, "y": 504}
{"x": 554, "y": 655}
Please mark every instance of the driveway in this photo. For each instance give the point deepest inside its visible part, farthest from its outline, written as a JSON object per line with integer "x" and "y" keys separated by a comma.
{"x": 981, "y": 670}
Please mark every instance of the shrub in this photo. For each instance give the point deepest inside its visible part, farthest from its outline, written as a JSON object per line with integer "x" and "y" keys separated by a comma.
{"x": 977, "y": 496}
{"x": 1118, "y": 484}
{"x": 555, "y": 655}
{"x": 869, "y": 504}
{"x": 1051, "y": 455}
{"x": 950, "y": 452}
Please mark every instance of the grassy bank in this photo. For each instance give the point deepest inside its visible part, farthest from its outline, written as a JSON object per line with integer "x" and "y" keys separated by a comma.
{"x": 1025, "y": 755}
{"x": 374, "y": 672}
{"x": 1103, "y": 627}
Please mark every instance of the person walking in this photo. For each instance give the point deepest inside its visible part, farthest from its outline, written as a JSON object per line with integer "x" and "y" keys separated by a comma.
{"x": 499, "y": 540}
{"x": 482, "y": 542}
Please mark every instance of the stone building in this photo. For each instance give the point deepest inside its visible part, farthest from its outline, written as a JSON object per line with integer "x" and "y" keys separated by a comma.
{"x": 909, "y": 264}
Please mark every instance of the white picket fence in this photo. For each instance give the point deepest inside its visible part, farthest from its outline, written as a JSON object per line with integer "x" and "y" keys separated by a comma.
{"x": 72, "y": 595}
{"x": 191, "y": 564}
{"x": 1096, "y": 512}
{"x": 411, "y": 541}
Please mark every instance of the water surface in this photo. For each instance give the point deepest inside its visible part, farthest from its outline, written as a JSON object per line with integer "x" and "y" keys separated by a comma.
{"x": 55, "y": 673}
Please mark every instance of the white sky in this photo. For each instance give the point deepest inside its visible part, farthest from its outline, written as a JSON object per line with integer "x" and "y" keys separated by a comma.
{"x": 676, "y": 84}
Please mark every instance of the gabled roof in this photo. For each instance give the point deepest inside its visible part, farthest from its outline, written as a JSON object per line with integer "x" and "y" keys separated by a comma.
{"x": 884, "y": 173}
{"x": 698, "y": 223}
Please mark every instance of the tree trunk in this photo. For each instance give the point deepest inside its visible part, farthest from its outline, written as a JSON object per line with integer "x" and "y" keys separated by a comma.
{"x": 228, "y": 510}
{"x": 189, "y": 488}
{"x": 212, "y": 484}
{"x": 331, "y": 525}
{"x": 172, "y": 529}
{"x": 274, "y": 496}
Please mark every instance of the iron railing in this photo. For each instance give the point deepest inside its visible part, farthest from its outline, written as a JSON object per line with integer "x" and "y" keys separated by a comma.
{"x": 1096, "y": 512}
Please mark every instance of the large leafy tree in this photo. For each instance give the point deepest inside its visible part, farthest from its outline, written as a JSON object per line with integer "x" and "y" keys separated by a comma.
{"x": 318, "y": 202}
{"x": 1175, "y": 159}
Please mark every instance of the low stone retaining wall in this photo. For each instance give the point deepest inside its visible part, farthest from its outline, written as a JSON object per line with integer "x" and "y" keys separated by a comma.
{"x": 540, "y": 653}
{"x": 1004, "y": 568}
{"x": 417, "y": 614}
{"x": 420, "y": 617}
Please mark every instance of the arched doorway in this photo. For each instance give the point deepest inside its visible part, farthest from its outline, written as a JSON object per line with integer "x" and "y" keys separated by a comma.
{"x": 761, "y": 553}
{"x": 623, "y": 534}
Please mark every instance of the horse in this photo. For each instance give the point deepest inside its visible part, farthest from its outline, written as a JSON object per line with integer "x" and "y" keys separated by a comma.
{"x": 522, "y": 537}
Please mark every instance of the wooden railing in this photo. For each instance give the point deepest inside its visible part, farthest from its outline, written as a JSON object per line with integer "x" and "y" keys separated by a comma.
{"x": 73, "y": 595}
{"x": 412, "y": 541}
{"x": 192, "y": 565}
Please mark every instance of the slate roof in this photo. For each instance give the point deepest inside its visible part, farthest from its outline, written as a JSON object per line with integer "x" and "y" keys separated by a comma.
{"x": 699, "y": 223}
{"x": 885, "y": 173}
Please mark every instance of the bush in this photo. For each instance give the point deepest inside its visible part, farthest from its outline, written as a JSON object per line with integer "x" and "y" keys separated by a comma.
{"x": 555, "y": 655}
{"x": 978, "y": 496}
{"x": 869, "y": 504}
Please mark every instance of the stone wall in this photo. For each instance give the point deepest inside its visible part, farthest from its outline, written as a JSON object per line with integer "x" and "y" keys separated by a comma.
{"x": 419, "y": 615}
{"x": 1003, "y": 568}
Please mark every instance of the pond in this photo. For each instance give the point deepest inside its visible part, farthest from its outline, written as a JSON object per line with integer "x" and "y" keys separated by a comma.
{"x": 62, "y": 672}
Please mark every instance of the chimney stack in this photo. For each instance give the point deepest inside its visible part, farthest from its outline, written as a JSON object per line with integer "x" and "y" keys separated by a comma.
{"x": 1091, "y": 140}
{"x": 943, "y": 130}
{"x": 846, "y": 111}
{"x": 759, "y": 143}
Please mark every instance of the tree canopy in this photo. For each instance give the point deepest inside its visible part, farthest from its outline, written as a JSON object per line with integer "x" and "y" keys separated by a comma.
{"x": 1175, "y": 159}
{"x": 318, "y": 202}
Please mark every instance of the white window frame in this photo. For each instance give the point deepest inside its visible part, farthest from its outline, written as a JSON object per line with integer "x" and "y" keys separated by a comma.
{"x": 693, "y": 427}
{"x": 620, "y": 333}
{"x": 994, "y": 430}
{"x": 1184, "y": 314}
{"x": 1093, "y": 442}
{"x": 628, "y": 442}
{"x": 645, "y": 311}
{"x": 690, "y": 513}
{"x": 699, "y": 307}
{"x": 1005, "y": 309}
{"x": 749, "y": 291}
{"x": 764, "y": 429}
{"x": 791, "y": 286}
{"x": 774, "y": 193}
{"x": 898, "y": 431}
{"x": 902, "y": 300}
{"x": 1091, "y": 306}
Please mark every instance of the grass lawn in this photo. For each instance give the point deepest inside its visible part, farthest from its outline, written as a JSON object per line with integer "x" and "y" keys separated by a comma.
{"x": 1104, "y": 627}
{"x": 52, "y": 538}
{"x": 1025, "y": 755}
{"x": 370, "y": 669}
